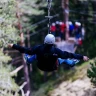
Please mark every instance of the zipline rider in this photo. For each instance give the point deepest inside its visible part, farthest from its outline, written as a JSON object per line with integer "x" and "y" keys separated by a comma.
{"x": 47, "y": 54}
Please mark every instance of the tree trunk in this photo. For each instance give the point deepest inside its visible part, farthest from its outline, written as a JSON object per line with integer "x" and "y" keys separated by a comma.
{"x": 26, "y": 74}
{"x": 30, "y": 65}
{"x": 94, "y": 10}
{"x": 65, "y": 7}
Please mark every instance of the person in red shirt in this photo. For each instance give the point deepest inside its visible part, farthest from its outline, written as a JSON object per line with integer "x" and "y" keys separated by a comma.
{"x": 62, "y": 26}
{"x": 62, "y": 29}
{"x": 80, "y": 41}
{"x": 53, "y": 28}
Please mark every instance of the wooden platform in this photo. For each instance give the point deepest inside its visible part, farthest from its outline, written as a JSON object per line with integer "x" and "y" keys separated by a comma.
{"x": 68, "y": 45}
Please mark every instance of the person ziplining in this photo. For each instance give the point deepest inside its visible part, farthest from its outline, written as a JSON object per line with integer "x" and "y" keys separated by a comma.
{"x": 47, "y": 54}
{"x": 30, "y": 58}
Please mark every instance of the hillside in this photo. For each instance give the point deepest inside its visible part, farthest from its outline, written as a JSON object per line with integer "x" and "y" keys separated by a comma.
{"x": 76, "y": 84}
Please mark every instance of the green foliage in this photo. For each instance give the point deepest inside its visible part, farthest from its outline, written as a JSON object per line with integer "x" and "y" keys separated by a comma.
{"x": 8, "y": 32}
{"x": 48, "y": 89}
{"x": 7, "y": 84}
{"x": 37, "y": 77}
{"x": 91, "y": 73}
{"x": 83, "y": 12}
{"x": 30, "y": 9}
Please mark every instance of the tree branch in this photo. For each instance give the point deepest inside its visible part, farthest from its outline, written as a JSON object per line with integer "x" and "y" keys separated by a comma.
{"x": 16, "y": 70}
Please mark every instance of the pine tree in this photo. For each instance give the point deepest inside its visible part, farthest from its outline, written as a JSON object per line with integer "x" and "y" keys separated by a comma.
{"x": 7, "y": 19}
{"x": 8, "y": 33}
{"x": 28, "y": 10}
{"x": 91, "y": 73}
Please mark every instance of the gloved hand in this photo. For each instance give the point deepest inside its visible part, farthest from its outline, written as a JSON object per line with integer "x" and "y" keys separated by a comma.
{"x": 10, "y": 45}
{"x": 85, "y": 58}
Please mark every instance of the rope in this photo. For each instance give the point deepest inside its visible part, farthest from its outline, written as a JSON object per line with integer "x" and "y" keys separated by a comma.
{"x": 36, "y": 32}
{"x": 40, "y": 22}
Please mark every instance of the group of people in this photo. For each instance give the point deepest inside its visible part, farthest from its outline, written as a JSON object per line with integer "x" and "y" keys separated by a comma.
{"x": 58, "y": 28}
{"x": 76, "y": 30}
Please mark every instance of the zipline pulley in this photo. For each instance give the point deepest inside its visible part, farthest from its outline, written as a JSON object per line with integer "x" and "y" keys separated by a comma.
{"x": 49, "y": 17}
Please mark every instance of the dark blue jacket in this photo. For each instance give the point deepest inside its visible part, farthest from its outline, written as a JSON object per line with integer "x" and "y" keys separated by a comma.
{"x": 47, "y": 55}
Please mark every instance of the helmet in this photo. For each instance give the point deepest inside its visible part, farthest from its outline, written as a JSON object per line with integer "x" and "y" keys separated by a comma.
{"x": 70, "y": 23}
{"x": 57, "y": 22}
{"x": 49, "y": 39}
{"x": 60, "y": 23}
{"x": 78, "y": 23}
{"x": 53, "y": 24}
